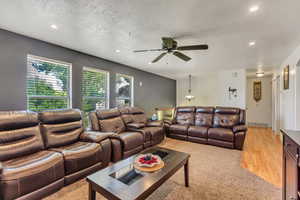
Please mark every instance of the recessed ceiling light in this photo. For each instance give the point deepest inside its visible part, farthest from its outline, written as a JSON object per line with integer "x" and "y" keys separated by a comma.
{"x": 118, "y": 51}
{"x": 254, "y": 8}
{"x": 149, "y": 63}
{"x": 260, "y": 74}
{"x": 252, "y": 43}
{"x": 53, "y": 26}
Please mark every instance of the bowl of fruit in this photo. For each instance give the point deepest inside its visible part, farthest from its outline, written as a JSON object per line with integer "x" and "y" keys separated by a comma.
{"x": 147, "y": 160}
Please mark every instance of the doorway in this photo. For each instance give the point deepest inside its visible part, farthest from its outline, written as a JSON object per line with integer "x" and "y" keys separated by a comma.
{"x": 259, "y": 110}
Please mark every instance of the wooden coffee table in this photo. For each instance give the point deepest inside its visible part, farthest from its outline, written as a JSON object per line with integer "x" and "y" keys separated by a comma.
{"x": 122, "y": 181}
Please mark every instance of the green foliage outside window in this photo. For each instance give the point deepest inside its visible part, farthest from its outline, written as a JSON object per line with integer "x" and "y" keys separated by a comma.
{"x": 47, "y": 85}
{"x": 94, "y": 91}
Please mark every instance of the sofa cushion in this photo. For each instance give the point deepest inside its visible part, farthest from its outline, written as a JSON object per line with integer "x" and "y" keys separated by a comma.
{"x": 138, "y": 115}
{"x": 198, "y": 131}
{"x": 224, "y": 134}
{"x": 115, "y": 124}
{"x": 107, "y": 114}
{"x": 79, "y": 155}
{"x": 204, "y": 116}
{"x": 226, "y": 117}
{"x": 126, "y": 115}
{"x": 60, "y": 116}
{"x": 60, "y": 127}
{"x": 19, "y": 134}
{"x": 29, "y": 173}
{"x": 178, "y": 129}
{"x": 131, "y": 140}
{"x": 185, "y": 115}
{"x": 136, "y": 125}
{"x": 155, "y": 132}
{"x": 62, "y": 133}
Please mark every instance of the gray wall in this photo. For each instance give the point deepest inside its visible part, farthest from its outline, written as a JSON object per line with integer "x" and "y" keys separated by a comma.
{"x": 156, "y": 91}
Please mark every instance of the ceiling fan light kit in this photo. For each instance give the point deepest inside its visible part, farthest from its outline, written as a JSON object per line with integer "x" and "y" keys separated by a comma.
{"x": 189, "y": 97}
{"x": 169, "y": 46}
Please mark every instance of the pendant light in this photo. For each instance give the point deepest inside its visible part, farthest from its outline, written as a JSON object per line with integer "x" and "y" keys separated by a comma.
{"x": 189, "y": 96}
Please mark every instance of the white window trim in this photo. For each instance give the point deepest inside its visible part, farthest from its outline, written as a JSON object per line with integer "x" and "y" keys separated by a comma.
{"x": 94, "y": 69}
{"x": 43, "y": 59}
{"x": 132, "y": 88}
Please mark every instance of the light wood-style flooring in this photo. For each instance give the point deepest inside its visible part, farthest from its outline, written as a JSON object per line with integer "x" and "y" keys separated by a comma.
{"x": 262, "y": 154}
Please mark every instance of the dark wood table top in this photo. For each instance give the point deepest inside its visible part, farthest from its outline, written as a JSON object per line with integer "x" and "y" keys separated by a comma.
{"x": 105, "y": 181}
{"x": 294, "y": 135}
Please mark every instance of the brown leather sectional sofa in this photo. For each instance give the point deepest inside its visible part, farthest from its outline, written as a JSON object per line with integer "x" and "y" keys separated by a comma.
{"x": 130, "y": 131}
{"x": 220, "y": 126}
{"x": 40, "y": 153}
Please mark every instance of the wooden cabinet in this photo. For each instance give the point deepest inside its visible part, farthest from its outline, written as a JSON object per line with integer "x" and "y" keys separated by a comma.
{"x": 291, "y": 165}
{"x": 291, "y": 180}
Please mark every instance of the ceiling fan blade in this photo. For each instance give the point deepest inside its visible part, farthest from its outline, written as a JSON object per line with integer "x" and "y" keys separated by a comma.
{"x": 159, "y": 57}
{"x": 181, "y": 56}
{"x": 146, "y": 50}
{"x": 193, "y": 47}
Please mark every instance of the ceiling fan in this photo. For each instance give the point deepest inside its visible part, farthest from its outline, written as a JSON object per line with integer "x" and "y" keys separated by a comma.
{"x": 169, "y": 46}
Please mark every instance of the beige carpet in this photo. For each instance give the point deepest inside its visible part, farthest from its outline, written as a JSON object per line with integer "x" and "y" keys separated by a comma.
{"x": 215, "y": 174}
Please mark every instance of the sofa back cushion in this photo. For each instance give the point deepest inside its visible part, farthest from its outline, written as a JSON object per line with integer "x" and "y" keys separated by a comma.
{"x": 204, "y": 116}
{"x": 138, "y": 115}
{"x": 19, "y": 134}
{"x": 61, "y": 127}
{"x": 126, "y": 115}
{"x": 185, "y": 115}
{"x": 110, "y": 121}
{"x": 226, "y": 117}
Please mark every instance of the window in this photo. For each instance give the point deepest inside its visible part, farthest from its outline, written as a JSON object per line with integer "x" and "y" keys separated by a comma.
{"x": 95, "y": 90}
{"x": 48, "y": 84}
{"x": 124, "y": 90}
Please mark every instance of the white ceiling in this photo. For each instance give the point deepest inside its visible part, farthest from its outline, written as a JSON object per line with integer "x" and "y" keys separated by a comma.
{"x": 99, "y": 27}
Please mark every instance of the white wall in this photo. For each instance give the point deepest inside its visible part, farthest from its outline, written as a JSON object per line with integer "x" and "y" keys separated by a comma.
{"x": 234, "y": 79}
{"x": 212, "y": 89}
{"x": 203, "y": 88}
{"x": 290, "y": 99}
{"x": 260, "y": 112}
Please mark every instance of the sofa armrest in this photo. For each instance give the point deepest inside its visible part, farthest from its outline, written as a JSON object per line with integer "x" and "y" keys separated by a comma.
{"x": 169, "y": 122}
{"x": 136, "y": 125}
{"x": 239, "y": 128}
{"x": 155, "y": 124}
{"x": 1, "y": 167}
{"x": 95, "y": 136}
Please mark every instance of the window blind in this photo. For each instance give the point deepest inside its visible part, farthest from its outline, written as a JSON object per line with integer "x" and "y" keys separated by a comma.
{"x": 95, "y": 89}
{"x": 48, "y": 84}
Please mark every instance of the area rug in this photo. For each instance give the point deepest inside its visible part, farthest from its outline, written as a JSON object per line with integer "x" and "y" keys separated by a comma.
{"x": 215, "y": 173}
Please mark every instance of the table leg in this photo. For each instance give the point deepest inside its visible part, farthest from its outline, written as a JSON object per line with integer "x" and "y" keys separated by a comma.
{"x": 186, "y": 173}
{"x": 92, "y": 193}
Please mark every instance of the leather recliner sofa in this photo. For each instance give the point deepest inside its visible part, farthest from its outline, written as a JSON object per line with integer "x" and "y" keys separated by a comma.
{"x": 220, "y": 126}
{"x": 136, "y": 120}
{"x": 63, "y": 132}
{"x": 129, "y": 130}
{"x": 34, "y": 164}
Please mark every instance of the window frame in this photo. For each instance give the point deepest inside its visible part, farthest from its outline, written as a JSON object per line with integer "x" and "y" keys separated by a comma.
{"x": 94, "y": 69}
{"x": 69, "y": 83}
{"x": 131, "y": 89}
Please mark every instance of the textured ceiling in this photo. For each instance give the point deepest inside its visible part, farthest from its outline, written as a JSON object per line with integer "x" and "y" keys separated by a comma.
{"x": 99, "y": 27}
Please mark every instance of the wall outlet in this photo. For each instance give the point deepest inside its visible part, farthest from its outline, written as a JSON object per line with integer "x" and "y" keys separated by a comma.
{"x": 141, "y": 83}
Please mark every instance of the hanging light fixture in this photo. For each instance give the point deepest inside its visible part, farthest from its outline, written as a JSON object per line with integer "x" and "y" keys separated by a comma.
{"x": 189, "y": 96}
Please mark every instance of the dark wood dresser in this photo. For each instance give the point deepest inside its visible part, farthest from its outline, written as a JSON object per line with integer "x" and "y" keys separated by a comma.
{"x": 291, "y": 165}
